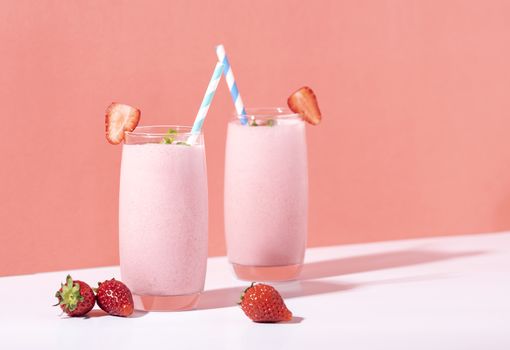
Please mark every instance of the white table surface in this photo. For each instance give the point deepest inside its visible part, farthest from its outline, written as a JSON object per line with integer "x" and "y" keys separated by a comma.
{"x": 433, "y": 293}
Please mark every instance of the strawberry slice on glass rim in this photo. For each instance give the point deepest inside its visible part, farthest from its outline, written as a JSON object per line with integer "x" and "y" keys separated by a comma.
{"x": 304, "y": 102}
{"x": 119, "y": 119}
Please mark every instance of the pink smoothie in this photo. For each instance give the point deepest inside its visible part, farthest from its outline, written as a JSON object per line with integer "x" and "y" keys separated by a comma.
{"x": 163, "y": 218}
{"x": 266, "y": 193}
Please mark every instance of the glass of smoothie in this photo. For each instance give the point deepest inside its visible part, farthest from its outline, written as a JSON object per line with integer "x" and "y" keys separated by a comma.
{"x": 163, "y": 217}
{"x": 266, "y": 195}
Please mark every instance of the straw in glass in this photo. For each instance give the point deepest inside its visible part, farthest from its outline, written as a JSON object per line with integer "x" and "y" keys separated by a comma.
{"x": 206, "y": 103}
{"x": 232, "y": 86}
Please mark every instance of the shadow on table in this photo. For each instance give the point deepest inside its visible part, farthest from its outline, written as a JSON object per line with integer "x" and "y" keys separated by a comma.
{"x": 100, "y": 313}
{"x": 225, "y": 297}
{"x": 307, "y": 285}
{"x": 377, "y": 261}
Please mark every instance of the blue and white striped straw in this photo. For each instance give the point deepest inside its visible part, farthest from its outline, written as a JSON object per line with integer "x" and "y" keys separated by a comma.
{"x": 232, "y": 86}
{"x": 206, "y": 102}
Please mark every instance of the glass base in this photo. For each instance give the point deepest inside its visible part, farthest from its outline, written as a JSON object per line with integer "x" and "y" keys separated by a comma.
{"x": 166, "y": 303}
{"x": 267, "y": 273}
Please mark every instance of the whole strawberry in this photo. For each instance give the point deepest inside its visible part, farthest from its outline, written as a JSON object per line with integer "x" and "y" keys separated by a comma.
{"x": 76, "y": 298}
{"x": 115, "y": 298}
{"x": 262, "y": 303}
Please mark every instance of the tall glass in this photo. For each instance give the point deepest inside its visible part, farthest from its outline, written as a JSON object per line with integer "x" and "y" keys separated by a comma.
{"x": 163, "y": 217}
{"x": 266, "y": 195}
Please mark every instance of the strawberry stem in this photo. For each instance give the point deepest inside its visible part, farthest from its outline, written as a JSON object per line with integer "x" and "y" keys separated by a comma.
{"x": 69, "y": 294}
{"x": 244, "y": 291}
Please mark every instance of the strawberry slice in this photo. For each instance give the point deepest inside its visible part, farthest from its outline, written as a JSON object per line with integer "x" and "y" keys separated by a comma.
{"x": 119, "y": 119}
{"x": 304, "y": 102}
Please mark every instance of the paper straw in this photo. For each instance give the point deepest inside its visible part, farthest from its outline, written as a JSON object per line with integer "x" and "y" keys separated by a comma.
{"x": 206, "y": 102}
{"x": 232, "y": 86}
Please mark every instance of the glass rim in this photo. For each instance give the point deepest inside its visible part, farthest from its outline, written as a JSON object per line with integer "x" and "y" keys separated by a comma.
{"x": 269, "y": 113}
{"x": 160, "y": 130}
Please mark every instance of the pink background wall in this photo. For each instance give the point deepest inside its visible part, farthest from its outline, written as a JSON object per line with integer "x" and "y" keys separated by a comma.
{"x": 415, "y": 98}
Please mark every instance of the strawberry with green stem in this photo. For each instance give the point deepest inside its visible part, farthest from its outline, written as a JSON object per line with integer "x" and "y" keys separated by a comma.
{"x": 262, "y": 303}
{"x": 75, "y": 298}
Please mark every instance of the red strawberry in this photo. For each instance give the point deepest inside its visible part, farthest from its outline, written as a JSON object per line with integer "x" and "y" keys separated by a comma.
{"x": 115, "y": 298}
{"x": 76, "y": 298}
{"x": 304, "y": 102}
{"x": 120, "y": 118}
{"x": 262, "y": 303}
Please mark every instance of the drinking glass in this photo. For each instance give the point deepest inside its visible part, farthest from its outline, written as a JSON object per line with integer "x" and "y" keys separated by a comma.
{"x": 266, "y": 195}
{"x": 163, "y": 217}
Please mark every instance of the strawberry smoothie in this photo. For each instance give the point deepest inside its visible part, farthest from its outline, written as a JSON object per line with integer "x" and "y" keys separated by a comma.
{"x": 163, "y": 220}
{"x": 266, "y": 196}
